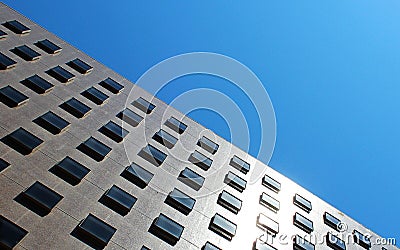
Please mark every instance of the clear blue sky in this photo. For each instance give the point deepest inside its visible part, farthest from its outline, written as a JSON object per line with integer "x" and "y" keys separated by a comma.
{"x": 331, "y": 68}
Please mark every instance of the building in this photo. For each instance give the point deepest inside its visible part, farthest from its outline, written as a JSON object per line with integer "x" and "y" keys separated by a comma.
{"x": 89, "y": 160}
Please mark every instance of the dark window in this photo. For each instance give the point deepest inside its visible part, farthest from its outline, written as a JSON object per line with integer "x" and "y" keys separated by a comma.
{"x": 70, "y": 171}
{"x": 166, "y": 229}
{"x": 165, "y": 138}
{"x": 223, "y": 227}
{"x": 137, "y": 175}
{"x": 300, "y": 243}
{"x": 80, "y": 66}
{"x": 61, "y": 74}
{"x": 229, "y": 202}
{"x": 334, "y": 242}
{"x": 37, "y": 84}
{"x": 95, "y": 95}
{"x": 143, "y": 105}
{"x": 94, "y": 232}
{"x": 271, "y": 183}
{"x": 235, "y": 181}
{"x": 10, "y": 233}
{"x": 39, "y": 198}
{"x": 94, "y": 149}
{"x": 200, "y": 160}
{"x": 269, "y": 202}
{"x": 75, "y": 108}
{"x": 303, "y": 223}
{"x": 361, "y": 239}
{"x": 180, "y": 201}
{"x": 153, "y": 155}
{"x": 267, "y": 224}
{"x": 191, "y": 178}
{"x": 130, "y": 117}
{"x": 48, "y": 46}
{"x": 114, "y": 131}
{"x": 144, "y": 248}
{"x": 3, "y": 164}
{"x": 118, "y": 200}
{"x": 6, "y": 62}
{"x": 12, "y": 97}
{"x": 16, "y": 27}
{"x": 209, "y": 246}
{"x": 52, "y": 123}
{"x": 111, "y": 85}
{"x": 302, "y": 203}
{"x": 3, "y": 34}
{"x": 208, "y": 145}
{"x": 240, "y": 164}
{"x": 26, "y": 53}
{"x": 22, "y": 141}
{"x": 176, "y": 125}
{"x": 332, "y": 221}
{"x": 261, "y": 245}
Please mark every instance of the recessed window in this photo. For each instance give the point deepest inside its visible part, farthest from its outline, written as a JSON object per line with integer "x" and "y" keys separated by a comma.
{"x": 118, "y": 200}
{"x": 3, "y": 34}
{"x": 10, "y": 233}
{"x": 143, "y": 105}
{"x": 12, "y": 97}
{"x": 166, "y": 229}
{"x": 94, "y": 149}
{"x": 335, "y": 242}
{"x": 48, "y": 46}
{"x": 200, "y": 160}
{"x": 61, "y": 74}
{"x": 300, "y": 243}
{"x": 75, "y": 108}
{"x": 6, "y": 62}
{"x": 130, "y": 117}
{"x": 240, "y": 164}
{"x": 144, "y": 248}
{"x": 271, "y": 183}
{"x": 80, "y": 66}
{"x": 261, "y": 245}
{"x": 114, "y": 131}
{"x": 52, "y": 123}
{"x": 269, "y": 202}
{"x": 39, "y": 198}
{"x": 210, "y": 246}
{"x": 230, "y": 202}
{"x": 302, "y": 203}
{"x": 165, "y": 138}
{"x": 191, "y": 178}
{"x": 70, "y": 171}
{"x": 22, "y": 141}
{"x": 137, "y": 175}
{"x": 223, "y": 227}
{"x": 269, "y": 225}
{"x": 235, "y": 181}
{"x": 208, "y": 145}
{"x": 38, "y": 84}
{"x": 331, "y": 221}
{"x": 3, "y": 164}
{"x": 153, "y": 155}
{"x": 176, "y": 125}
{"x": 361, "y": 239}
{"x": 94, "y": 232}
{"x": 111, "y": 85}
{"x": 303, "y": 223}
{"x": 26, "y": 53}
{"x": 95, "y": 95}
{"x": 17, "y": 27}
{"x": 180, "y": 201}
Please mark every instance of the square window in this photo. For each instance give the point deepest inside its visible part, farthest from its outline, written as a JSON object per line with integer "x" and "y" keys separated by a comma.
{"x": 118, "y": 200}
{"x": 48, "y": 46}
{"x": 6, "y": 62}
{"x": 10, "y": 233}
{"x": 152, "y": 155}
{"x": 39, "y": 199}
{"x": 229, "y": 202}
{"x": 200, "y": 160}
{"x": 38, "y": 84}
{"x": 300, "y": 243}
{"x": 332, "y": 221}
{"x": 61, "y": 74}
{"x": 269, "y": 202}
{"x": 3, "y": 34}
{"x": 137, "y": 175}
{"x": 180, "y": 201}
{"x": 261, "y": 245}
{"x": 268, "y": 224}
{"x": 208, "y": 145}
{"x": 80, "y": 66}
{"x": 361, "y": 239}
{"x": 143, "y": 105}
{"x": 22, "y": 141}
{"x": 111, "y": 85}
{"x": 75, "y": 108}
{"x": 3, "y": 164}
{"x": 166, "y": 229}
{"x": 165, "y": 138}
{"x": 52, "y": 123}
{"x": 26, "y": 53}
{"x": 240, "y": 164}
{"x": 70, "y": 171}
{"x": 17, "y": 27}
{"x": 114, "y": 131}
{"x": 130, "y": 117}
{"x": 12, "y": 97}
{"x": 209, "y": 246}
{"x": 191, "y": 178}
{"x": 235, "y": 181}
{"x": 94, "y": 149}
{"x": 223, "y": 227}
{"x": 95, "y": 95}
{"x": 271, "y": 183}
{"x": 302, "y": 203}
{"x": 176, "y": 125}
{"x": 334, "y": 242}
{"x": 303, "y": 223}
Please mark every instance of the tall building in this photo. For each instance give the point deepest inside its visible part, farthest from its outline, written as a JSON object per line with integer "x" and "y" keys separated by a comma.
{"x": 89, "y": 160}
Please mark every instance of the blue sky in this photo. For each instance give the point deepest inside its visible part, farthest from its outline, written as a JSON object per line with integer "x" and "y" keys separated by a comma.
{"x": 331, "y": 69}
